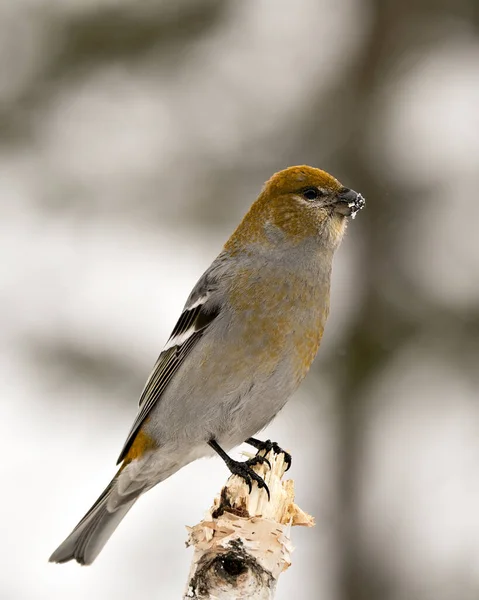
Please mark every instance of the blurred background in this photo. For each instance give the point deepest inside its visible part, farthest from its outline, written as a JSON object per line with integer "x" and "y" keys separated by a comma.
{"x": 133, "y": 137}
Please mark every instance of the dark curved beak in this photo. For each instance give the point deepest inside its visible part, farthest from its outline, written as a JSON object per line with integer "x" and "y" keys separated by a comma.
{"x": 349, "y": 202}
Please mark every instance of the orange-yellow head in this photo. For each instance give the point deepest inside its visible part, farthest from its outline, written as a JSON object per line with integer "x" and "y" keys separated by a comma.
{"x": 296, "y": 204}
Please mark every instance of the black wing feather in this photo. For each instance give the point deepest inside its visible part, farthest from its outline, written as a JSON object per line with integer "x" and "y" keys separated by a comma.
{"x": 196, "y": 319}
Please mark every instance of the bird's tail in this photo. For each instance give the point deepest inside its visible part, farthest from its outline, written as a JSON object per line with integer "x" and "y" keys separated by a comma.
{"x": 90, "y": 535}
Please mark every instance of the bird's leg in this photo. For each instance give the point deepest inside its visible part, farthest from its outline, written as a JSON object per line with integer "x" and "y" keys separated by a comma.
{"x": 269, "y": 445}
{"x": 243, "y": 468}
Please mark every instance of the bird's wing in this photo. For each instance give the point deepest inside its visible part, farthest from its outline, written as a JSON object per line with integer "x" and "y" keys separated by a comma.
{"x": 199, "y": 312}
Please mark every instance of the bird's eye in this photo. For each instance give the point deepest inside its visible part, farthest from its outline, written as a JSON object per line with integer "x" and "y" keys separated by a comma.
{"x": 311, "y": 193}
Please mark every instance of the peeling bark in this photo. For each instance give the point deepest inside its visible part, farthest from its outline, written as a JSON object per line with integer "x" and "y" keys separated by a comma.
{"x": 242, "y": 545}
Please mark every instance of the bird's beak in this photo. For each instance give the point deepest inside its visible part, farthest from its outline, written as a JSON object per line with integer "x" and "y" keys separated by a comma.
{"x": 349, "y": 203}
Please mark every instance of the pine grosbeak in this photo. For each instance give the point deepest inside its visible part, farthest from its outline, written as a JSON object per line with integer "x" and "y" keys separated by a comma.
{"x": 246, "y": 338}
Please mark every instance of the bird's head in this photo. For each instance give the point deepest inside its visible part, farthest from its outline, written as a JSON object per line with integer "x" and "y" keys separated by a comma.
{"x": 297, "y": 204}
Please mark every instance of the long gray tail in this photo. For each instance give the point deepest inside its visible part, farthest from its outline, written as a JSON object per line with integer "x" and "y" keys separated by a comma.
{"x": 90, "y": 535}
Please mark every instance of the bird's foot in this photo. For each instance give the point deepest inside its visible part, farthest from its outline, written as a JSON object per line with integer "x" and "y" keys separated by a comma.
{"x": 269, "y": 445}
{"x": 243, "y": 469}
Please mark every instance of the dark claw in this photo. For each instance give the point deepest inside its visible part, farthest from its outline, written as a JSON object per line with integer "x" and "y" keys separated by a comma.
{"x": 287, "y": 456}
{"x": 258, "y": 460}
{"x": 244, "y": 470}
{"x": 269, "y": 445}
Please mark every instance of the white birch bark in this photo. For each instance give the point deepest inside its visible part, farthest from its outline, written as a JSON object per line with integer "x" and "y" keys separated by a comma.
{"x": 242, "y": 545}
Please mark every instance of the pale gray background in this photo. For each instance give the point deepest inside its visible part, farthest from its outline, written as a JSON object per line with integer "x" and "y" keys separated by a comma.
{"x": 133, "y": 137}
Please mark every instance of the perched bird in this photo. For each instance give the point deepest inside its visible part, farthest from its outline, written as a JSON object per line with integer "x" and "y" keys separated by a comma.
{"x": 246, "y": 338}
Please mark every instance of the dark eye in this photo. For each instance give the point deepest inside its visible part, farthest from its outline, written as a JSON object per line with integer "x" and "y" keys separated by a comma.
{"x": 311, "y": 193}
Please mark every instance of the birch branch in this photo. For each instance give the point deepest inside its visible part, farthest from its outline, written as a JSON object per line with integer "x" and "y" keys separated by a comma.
{"x": 242, "y": 545}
